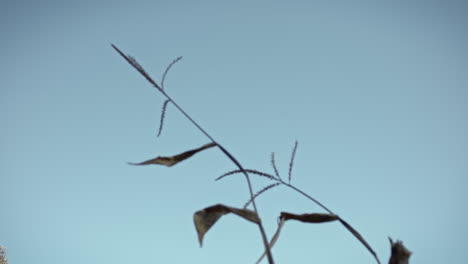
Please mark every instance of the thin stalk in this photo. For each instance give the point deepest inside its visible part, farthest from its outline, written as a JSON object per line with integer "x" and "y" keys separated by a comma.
{"x": 308, "y": 196}
{"x": 237, "y": 163}
{"x": 140, "y": 69}
{"x": 342, "y": 221}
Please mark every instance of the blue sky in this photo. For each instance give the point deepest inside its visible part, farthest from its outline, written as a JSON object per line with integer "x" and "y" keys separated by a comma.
{"x": 374, "y": 91}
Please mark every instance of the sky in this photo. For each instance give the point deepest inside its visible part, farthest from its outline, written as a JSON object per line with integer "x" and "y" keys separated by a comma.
{"x": 375, "y": 93}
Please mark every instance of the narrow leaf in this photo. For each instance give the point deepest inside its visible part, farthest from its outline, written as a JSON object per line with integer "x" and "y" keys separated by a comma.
{"x": 163, "y": 114}
{"x": 359, "y": 237}
{"x": 266, "y": 188}
{"x": 170, "y": 161}
{"x": 291, "y": 163}
{"x": 309, "y": 218}
{"x": 206, "y": 218}
{"x": 259, "y": 173}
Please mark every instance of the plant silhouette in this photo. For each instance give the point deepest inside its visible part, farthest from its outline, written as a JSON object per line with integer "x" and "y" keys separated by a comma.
{"x": 205, "y": 218}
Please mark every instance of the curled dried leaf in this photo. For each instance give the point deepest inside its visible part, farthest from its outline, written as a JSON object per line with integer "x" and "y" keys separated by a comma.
{"x": 309, "y": 218}
{"x": 206, "y": 218}
{"x": 322, "y": 218}
{"x": 170, "y": 161}
{"x": 400, "y": 254}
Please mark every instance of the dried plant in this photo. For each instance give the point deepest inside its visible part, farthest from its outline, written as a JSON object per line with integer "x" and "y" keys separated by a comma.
{"x": 279, "y": 181}
{"x": 3, "y": 258}
{"x": 133, "y": 62}
{"x": 173, "y": 160}
{"x": 400, "y": 254}
{"x": 204, "y": 219}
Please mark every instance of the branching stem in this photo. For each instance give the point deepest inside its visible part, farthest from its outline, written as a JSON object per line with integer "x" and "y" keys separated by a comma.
{"x": 342, "y": 221}
{"x": 140, "y": 69}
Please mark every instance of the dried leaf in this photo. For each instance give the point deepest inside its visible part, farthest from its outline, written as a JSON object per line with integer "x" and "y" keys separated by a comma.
{"x": 206, "y": 218}
{"x": 360, "y": 238}
{"x": 170, "y": 161}
{"x": 309, "y": 218}
{"x": 3, "y": 258}
{"x": 400, "y": 254}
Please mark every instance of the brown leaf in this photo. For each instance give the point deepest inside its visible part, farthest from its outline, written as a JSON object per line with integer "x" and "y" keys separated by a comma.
{"x": 170, "y": 161}
{"x": 206, "y": 218}
{"x": 309, "y": 218}
{"x": 400, "y": 254}
{"x": 321, "y": 218}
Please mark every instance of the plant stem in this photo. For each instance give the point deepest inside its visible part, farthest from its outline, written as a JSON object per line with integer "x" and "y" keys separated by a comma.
{"x": 308, "y": 196}
{"x": 237, "y": 163}
{"x": 342, "y": 221}
{"x": 140, "y": 69}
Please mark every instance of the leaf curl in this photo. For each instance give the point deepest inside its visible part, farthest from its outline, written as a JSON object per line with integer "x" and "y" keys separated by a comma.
{"x": 207, "y": 217}
{"x": 307, "y": 218}
{"x": 172, "y": 160}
